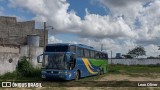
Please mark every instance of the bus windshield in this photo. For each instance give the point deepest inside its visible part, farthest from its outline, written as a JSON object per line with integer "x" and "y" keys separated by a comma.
{"x": 54, "y": 61}
{"x": 63, "y": 48}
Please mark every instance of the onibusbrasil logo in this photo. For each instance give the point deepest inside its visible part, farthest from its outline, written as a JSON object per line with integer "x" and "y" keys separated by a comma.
{"x": 18, "y": 84}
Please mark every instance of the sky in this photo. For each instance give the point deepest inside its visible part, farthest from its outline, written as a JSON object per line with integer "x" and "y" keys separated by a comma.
{"x": 120, "y": 25}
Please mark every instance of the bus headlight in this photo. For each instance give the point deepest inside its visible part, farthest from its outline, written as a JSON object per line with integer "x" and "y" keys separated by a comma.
{"x": 63, "y": 72}
{"x": 43, "y": 76}
{"x": 43, "y": 71}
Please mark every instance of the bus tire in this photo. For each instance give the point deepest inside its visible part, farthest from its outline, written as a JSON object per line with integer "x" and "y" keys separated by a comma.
{"x": 77, "y": 75}
{"x": 102, "y": 71}
{"x": 99, "y": 72}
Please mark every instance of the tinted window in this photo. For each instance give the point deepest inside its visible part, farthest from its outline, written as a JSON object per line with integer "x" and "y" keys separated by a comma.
{"x": 72, "y": 49}
{"x": 106, "y": 56}
{"x": 100, "y": 55}
{"x": 96, "y": 55}
{"x": 54, "y": 61}
{"x": 86, "y": 53}
{"x": 92, "y": 54}
{"x": 80, "y": 52}
{"x": 56, "y": 49}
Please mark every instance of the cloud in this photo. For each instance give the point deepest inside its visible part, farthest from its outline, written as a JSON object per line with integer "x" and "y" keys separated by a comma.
{"x": 117, "y": 31}
{"x": 3, "y": 13}
{"x": 105, "y": 26}
{"x": 109, "y": 45}
{"x": 147, "y": 13}
{"x": 56, "y": 14}
{"x": 52, "y": 40}
{"x": 153, "y": 50}
{"x": 122, "y": 3}
{"x": 123, "y": 47}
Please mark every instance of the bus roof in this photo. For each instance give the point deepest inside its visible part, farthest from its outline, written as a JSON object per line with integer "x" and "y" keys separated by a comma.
{"x": 68, "y": 44}
{"x": 78, "y": 45}
{"x": 60, "y": 44}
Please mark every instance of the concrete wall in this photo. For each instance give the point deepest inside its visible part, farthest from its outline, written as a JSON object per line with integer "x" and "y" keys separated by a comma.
{"x": 13, "y": 42}
{"x": 32, "y": 53}
{"x": 5, "y": 65}
{"x": 15, "y": 54}
{"x": 8, "y": 53}
{"x": 9, "y": 49}
{"x": 135, "y": 61}
{"x": 15, "y": 33}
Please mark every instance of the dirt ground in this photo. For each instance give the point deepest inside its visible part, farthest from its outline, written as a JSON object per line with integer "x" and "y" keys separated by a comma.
{"x": 124, "y": 77}
{"x": 110, "y": 77}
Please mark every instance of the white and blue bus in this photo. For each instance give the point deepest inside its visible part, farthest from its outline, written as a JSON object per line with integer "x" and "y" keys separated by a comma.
{"x": 71, "y": 61}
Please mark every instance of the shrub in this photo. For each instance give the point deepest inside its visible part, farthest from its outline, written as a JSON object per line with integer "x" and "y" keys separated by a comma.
{"x": 25, "y": 68}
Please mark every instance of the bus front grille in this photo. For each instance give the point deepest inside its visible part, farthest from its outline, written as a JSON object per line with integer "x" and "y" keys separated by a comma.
{"x": 53, "y": 72}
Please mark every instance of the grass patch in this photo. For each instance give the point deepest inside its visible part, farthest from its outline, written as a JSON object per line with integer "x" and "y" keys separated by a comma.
{"x": 24, "y": 71}
{"x": 133, "y": 69}
{"x": 9, "y": 76}
{"x": 15, "y": 76}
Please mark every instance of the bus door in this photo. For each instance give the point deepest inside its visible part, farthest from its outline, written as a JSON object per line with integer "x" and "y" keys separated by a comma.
{"x": 72, "y": 66}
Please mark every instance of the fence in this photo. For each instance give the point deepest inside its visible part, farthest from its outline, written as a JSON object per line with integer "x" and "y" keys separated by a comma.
{"x": 134, "y": 61}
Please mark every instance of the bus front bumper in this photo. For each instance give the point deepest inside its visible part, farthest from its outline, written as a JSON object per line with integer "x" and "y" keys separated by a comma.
{"x": 55, "y": 76}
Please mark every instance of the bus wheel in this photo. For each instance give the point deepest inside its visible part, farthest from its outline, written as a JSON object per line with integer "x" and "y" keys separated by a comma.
{"x": 102, "y": 71}
{"x": 77, "y": 75}
{"x": 99, "y": 72}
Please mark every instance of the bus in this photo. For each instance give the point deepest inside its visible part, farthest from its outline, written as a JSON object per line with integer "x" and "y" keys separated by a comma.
{"x": 71, "y": 61}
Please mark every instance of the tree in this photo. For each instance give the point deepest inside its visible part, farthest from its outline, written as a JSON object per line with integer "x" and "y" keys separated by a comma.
{"x": 158, "y": 47}
{"x": 151, "y": 57}
{"x": 137, "y": 51}
{"x": 127, "y": 56}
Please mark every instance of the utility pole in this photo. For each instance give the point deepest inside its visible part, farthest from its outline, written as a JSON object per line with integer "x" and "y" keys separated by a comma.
{"x": 111, "y": 57}
{"x": 45, "y": 29}
{"x": 101, "y": 47}
{"x": 44, "y": 42}
{"x": 44, "y": 34}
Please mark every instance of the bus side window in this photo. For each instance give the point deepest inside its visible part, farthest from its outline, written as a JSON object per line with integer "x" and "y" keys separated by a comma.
{"x": 73, "y": 49}
{"x": 72, "y": 62}
{"x": 92, "y": 54}
{"x": 103, "y": 55}
{"x": 106, "y": 56}
{"x": 96, "y": 55}
{"x": 86, "y": 52}
{"x": 100, "y": 55}
{"x": 80, "y": 52}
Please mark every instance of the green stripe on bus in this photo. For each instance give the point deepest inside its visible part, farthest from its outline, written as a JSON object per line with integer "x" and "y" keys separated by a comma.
{"x": 98, "y": 62}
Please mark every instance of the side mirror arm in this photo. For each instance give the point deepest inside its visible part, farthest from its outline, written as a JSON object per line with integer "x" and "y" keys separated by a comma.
{"x": 38, "y": 58}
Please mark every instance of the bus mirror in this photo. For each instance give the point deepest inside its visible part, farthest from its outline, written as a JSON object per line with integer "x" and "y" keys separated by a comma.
{"x": 40, "y": 58}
